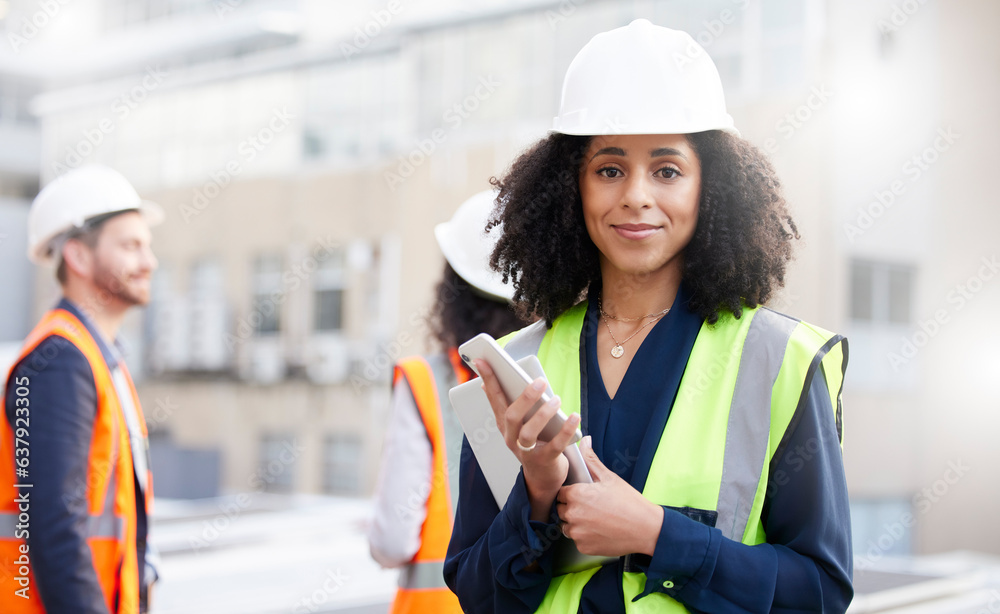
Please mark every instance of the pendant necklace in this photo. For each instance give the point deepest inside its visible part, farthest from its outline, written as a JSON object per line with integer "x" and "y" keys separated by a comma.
{"x": 617, "y": 351}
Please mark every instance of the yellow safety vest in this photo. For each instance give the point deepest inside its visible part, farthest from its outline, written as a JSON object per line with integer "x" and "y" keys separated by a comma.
{"x": 742, "y": 384}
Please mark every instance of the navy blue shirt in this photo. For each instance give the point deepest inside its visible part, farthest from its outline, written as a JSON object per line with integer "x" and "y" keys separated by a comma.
{"x": 805, "y": 566}
{"x": 63, "y": 401}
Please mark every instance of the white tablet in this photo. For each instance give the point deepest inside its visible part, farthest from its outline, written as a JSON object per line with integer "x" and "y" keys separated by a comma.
{"x": 500, "y": 466}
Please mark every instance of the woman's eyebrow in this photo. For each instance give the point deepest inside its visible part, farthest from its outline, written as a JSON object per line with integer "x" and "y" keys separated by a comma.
{"x": 666, "y": 151}
{"x": 655, "y": 153}
{"x": 614, "y": 151}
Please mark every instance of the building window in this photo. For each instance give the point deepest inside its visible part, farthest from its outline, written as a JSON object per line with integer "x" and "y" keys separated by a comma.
{"x": 900, "y": 293}
{"x": 208, "y": 315}
{"x": 781, "y": 15}
{"x": 881, "y": 312}
{"x": 881, "y": 292}
{"x": 353, "y": 110}
{"x": 880, "y": 528}
{"x": 265, "y": 313}
{"x": 276, "y": 471}
{"x": 331, "y": 279}
{"x": 342, "y": 464}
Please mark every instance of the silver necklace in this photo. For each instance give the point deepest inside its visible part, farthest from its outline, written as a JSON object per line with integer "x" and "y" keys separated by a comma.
{"x": 617, "y": 351}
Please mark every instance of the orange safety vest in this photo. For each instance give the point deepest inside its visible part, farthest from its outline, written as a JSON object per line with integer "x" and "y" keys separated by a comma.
{"x": 421, "y": 582}
{"x": 109, "y": 490}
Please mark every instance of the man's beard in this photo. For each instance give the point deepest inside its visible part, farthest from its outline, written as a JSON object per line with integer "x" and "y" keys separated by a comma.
{"x": 113, "y": 286}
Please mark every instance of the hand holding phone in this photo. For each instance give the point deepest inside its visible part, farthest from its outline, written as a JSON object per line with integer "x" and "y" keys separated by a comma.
{"x": 493, "y": 456}
{"x": 513, "y": 380}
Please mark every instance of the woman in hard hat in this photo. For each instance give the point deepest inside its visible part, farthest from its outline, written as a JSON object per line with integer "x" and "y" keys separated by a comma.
{"x": 647, "y": 234}
{"x": 416, "y": 494}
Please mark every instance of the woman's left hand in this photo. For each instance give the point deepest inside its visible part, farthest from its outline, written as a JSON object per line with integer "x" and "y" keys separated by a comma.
{"x": 607, "y": 517}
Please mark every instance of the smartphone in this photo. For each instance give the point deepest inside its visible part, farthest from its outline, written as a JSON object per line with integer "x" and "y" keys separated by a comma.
{"x": 513, "y": 380}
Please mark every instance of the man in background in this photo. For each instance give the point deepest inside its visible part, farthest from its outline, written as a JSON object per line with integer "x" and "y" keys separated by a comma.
{"x": 75, "y": 483}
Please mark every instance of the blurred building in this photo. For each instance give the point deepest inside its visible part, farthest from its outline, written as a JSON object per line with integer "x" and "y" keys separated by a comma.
{"x": 20, "y": 153}
{"x": 305, "y": 150}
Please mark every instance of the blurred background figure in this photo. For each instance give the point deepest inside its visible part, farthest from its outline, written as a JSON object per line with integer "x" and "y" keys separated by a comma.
{"x": 74, "y": 432}
{"x": 417, "y": 487}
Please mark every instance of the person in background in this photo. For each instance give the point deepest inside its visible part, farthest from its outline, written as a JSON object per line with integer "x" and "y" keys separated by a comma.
{"x": 75, "y": 483}
{"x": 417, "y": 485}
{"x": 712, "y": 424}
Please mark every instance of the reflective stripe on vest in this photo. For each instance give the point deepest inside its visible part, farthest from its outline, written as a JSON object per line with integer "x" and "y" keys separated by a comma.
{"x": 750, "y": 420}
{"x": 421, "y": 583}
{"x": 741, "y": 387}
{"x": 99, "y": 526}
{"x": 108, "y": 490}
{"x": 423, "y": 575}
{"x": 107, "y": 525}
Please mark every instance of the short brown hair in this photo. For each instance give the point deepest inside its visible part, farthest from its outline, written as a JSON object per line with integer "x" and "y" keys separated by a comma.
{"x": 89, "y": 235}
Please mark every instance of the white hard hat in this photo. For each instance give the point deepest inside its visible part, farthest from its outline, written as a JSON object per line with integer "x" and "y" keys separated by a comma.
{"x": 467, "y": 247}
{"x": 70, "y": 200}
{"x": 642, "y": 79}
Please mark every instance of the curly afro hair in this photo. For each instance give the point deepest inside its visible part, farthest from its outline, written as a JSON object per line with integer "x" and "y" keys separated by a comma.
{"x": 460, "y": 313}
{"x": 736, "y": 258}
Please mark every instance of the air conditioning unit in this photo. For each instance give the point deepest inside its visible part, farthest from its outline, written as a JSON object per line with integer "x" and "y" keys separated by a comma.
{"x": 328, "y": 359}
{"x": 208, "y": 334}
{"x": 370, "y": 363}
{"x": 170, "y": 349}
{"x": 266, "y": 362}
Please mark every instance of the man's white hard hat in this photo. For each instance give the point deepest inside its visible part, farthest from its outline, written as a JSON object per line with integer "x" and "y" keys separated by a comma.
{"x": 642, "y": 79}
{"x": 69, "y": 201}
{"x": 467, "y": 247}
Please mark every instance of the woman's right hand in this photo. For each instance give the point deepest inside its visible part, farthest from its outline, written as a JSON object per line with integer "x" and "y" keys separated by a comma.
{"x": 544, "y": 466}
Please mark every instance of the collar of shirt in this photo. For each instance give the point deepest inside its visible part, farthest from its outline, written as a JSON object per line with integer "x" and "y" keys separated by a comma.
{"x": 112, "y": 353}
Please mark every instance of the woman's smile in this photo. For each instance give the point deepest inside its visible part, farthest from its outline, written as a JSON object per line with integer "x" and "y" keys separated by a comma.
{"x": 635, "y": 232}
